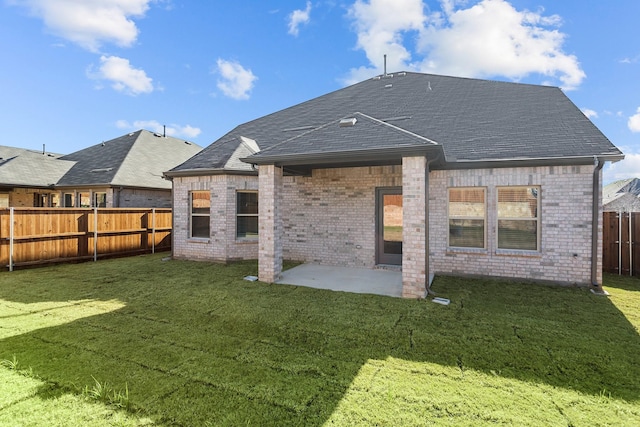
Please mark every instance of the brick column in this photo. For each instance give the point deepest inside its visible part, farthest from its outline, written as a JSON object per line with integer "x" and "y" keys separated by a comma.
{"x": 414, "y": 237}
{"x": 269, "y": 223}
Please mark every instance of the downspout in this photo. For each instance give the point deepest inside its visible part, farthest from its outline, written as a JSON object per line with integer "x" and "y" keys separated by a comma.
{"x": 599, "y": 164}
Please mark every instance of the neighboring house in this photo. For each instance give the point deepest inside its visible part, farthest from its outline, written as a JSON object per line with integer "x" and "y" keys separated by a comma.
{"x": 435, "y": 174}
{"x": 123, "y": 172}
{"x": 27, "y": 177}
{"x": 622, "y": 196}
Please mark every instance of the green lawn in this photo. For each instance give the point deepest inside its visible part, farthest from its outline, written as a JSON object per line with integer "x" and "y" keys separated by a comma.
{"x": 142, "y": 341}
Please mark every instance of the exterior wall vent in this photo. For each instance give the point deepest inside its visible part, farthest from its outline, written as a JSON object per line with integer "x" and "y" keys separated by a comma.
{"x": 348, "y": 122}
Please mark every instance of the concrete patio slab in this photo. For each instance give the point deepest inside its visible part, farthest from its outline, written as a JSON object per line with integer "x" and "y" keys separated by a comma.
{"x": 346, "y": 279}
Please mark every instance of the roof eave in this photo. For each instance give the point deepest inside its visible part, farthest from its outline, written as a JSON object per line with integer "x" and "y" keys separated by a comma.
{"x": 352, "y": 156}
{"x": 206, "y": 171}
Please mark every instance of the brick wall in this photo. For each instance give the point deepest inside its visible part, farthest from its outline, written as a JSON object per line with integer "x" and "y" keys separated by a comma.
{"x": 222, "y": 245}
{"x": 140, "y": 198}
{"x": 414, "y": 274}
{"x": 329, "y": 218}
{"x": 566, "y": 199}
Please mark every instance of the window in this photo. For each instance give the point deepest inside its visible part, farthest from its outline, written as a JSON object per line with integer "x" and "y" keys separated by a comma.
{"x": 246, "y": 214}
{"x": 100, "y": 200}
{"x": 85, "y": 200}
{"x": 467, "y": 217}
{"x": 68, "y": 200}
{"x": 200, "y": 202}
{"x": 518, "y": 218}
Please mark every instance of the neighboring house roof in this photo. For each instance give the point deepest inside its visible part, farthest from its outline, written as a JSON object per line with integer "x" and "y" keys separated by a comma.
{"x": 137, "y": 159}
{"x": 622, "y": 195}
{"x": 629, "y": 185}
{"x": 30, "y": 168}
{"x": 466, "y": 122}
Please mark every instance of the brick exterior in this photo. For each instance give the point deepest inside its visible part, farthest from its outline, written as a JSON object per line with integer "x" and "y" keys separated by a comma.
{"x": 222, "y": 246}
{"x": 270, "y": 223}
{"x": 566, "y": 200}
{"x": 414, "y": 244}
{"x": 329, "y": 218}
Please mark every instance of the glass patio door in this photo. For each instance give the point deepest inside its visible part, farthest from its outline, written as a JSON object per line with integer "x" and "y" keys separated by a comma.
{"x": 389, "y": 225}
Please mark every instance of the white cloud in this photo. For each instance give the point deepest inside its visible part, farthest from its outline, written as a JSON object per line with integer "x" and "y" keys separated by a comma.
{"x": 174, "y": 130}
{"x": 236, "y": 81}
{"x": 489, "y": 38}
{"x": 634, "y": 122}
{"x": 90, "y": 23}
{"x": 592, "y": 114}
{"x": 627, "y": 168}
{"x": 299, "y": 17}
{"x": 380, "y": 25}
{"x": 123, "y": 77}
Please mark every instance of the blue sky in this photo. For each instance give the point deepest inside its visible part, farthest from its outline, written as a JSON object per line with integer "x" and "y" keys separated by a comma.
{"x": 77, "y": 72}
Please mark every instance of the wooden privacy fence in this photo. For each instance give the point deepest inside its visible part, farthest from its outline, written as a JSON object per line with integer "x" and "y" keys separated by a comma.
{"x": 621, "y": 243}
{"x": 31, "y": 236}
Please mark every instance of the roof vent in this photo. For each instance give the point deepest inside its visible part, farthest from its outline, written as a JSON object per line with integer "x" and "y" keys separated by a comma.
{"x": 388, "y": 86}
{"x": 101, "y": 170}
{"x": 344, "y": 123}
{"x": 402, "y": 74}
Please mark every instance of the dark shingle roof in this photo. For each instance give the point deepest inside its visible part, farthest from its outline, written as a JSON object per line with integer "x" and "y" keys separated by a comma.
{"x": 473, "y": 120}
{"x": 137, "y": 159}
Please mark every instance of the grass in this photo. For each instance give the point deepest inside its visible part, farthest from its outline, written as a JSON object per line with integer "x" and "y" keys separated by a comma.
{"x": 141, "y": 341}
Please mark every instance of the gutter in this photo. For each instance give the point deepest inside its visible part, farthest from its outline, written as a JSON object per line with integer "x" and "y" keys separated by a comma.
{"x": 595, "y": 220}
{"x": 530, "y": 162}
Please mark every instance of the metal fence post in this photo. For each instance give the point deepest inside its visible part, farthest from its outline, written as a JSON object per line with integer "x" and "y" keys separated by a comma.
{"x": 95, "y": 234}
{"x": 153, "y": 230}
{"x": 11, "y": 239}
{"x": 630, "y": 247}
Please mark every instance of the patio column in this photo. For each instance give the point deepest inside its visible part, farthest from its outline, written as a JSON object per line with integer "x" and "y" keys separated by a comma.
{"x": 269, "y": 223}
{"x": 414, "y": 232}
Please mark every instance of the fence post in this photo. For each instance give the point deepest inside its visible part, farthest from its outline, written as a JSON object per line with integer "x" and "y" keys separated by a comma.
{"x": 153, "y": 230}
{"x": 95, "y": 234}
{"x": 619, "y": 243}
{"x": 630, "y": 247}
{"x": 11, "y": 239}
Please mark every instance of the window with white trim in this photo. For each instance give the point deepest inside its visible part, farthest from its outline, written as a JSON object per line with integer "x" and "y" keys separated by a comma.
{"x": 467, "y": 217}
{"x": 247, "y": 215}
{"x": 200, "y": 213}
{"x": 519, "y": 218}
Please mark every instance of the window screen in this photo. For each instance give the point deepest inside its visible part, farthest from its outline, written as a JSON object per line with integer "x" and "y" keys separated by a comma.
{"x": 518, "y": 218}
{"x": 467, "y": 217}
